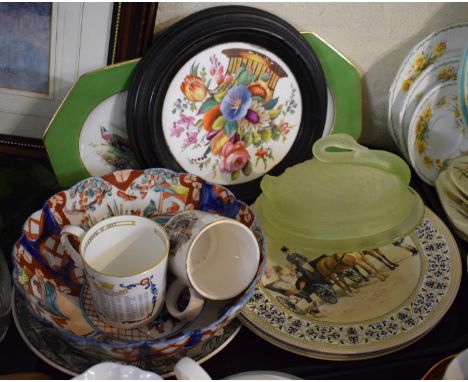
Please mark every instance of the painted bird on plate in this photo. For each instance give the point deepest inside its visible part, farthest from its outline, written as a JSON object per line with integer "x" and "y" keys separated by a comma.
{"x": 117, "y": 151}
{"x": 115, "y": 140}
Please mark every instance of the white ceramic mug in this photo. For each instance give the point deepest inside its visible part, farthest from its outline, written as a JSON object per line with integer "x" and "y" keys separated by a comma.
{"x": 124, "y": 259}
{"x": 214, "y": 256}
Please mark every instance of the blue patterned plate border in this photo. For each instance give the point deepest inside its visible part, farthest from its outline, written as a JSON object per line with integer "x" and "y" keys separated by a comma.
{"x": 58, "y": 353}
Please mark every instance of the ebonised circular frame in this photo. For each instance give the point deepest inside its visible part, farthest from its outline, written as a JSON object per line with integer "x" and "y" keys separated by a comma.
{"x": 179, "y": 43}
{"x": 140, "y": 83}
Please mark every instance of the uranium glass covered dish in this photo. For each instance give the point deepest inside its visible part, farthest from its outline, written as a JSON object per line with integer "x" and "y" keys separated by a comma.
{"x": 346, "y": 198}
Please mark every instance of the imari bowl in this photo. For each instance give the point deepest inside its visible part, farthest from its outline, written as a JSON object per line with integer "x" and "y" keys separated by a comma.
{"x": 54, "y": 289}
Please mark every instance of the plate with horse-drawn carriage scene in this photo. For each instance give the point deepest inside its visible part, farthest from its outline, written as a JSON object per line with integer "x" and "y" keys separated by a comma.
{"x": 356, "y": 305}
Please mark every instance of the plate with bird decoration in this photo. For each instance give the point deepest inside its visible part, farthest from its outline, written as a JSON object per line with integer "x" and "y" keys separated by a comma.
{"x": 224, "y": 98}
{"x": 356, "y": 305}
{"x": 87, "y": 136}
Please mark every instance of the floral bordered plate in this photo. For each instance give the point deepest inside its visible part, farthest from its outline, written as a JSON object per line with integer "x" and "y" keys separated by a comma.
{"x": 445, "y": 42}
{"x": 463, "y": 86}
{"x": 388, "y": 297}
{"x": 87, "y": 136}
{"x": 441, "y": 72}
{"x": 436, "y": 133}
{"x": 223, "y": 98}
{"x": 58, "y": 353}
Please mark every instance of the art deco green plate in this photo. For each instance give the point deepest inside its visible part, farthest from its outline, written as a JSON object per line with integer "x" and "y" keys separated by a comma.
{"x": 356, "y": 305}
{"x": 87, "y": 136}
{"x": 344, "y": 84}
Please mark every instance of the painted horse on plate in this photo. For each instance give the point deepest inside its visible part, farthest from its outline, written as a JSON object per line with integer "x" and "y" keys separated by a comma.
{"x": 334, "y": 267}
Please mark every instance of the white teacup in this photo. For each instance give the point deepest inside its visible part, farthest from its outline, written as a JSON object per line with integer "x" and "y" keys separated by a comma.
{"x": 124, "y": 259}
{"x": 214, "y": 256}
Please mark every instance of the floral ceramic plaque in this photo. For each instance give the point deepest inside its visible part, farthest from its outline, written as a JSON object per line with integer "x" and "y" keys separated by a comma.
{"x": 232, "y": 113}
{"x": 360, "y": 304}
{"x": 228, "y": 93}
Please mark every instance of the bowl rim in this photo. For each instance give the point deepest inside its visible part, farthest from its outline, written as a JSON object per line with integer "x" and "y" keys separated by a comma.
{"x": 162, "y": 342}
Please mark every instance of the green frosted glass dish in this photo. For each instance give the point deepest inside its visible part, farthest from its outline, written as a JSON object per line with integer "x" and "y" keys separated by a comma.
{"x": 348, "y": 199}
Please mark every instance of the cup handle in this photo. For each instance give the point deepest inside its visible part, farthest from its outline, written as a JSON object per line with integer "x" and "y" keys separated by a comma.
{"x": 65, "y": 241}
{"x": 193, "y": 308}
{"x": 187, "y": 369}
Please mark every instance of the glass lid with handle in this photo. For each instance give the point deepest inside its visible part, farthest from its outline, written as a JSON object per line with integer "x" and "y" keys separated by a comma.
{"x": 346, "y": 198}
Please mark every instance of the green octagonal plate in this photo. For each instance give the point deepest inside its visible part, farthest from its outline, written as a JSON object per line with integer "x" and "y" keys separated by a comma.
{"x": 87, "y": 136}
{"x": 344, "y": 84}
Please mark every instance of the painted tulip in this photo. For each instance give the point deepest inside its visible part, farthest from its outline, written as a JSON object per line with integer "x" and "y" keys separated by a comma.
{"x": 217, "y": 142}
{"x": 194, "y": 88}
{"x": 210, "y": 116}
{"x": 234, "y": 157}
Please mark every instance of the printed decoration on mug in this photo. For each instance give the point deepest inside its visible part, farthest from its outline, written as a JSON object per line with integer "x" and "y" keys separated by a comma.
{"x": 180, "y": 227}
{"x": 232, "y": 113}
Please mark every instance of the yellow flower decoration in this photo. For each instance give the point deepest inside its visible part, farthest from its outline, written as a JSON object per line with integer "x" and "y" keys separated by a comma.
{"x": 421, "y": 147}
{"x": 446, "y": 74}
{"x": 438, "y": 163}
{"x": 419, "y": 126}
{"x": 442, "y": 102}
{"x": 427, "y": 161}
{"x": 420, "y": 62}
{"x": 427, "y": 114}
{"x": 457, "y": 112}
{"x": 406, "y": 85}
{"x": 440, "y": 49}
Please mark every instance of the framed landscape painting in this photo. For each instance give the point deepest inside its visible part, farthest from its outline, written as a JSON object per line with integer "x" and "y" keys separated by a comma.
{"x": 45, "y": 48}
{"x": 25, "y": 31}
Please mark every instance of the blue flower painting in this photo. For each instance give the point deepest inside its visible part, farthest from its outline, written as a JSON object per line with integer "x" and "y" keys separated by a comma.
{"x": 236, "y": 103}
{"x": 25, "y": 31}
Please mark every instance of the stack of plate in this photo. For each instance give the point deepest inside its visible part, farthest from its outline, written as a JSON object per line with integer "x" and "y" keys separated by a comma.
{"x": 427, "y": 101}
{"x": 395, "y": 295}
{"x": 452, "y": 188}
